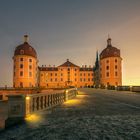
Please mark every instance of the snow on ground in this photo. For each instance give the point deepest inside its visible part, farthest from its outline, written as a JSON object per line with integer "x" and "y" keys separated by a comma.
{"x": 93, "y": 115}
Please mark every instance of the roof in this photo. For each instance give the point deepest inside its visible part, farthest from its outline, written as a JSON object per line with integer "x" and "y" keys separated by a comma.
{"x": 48, "y": 68}
{"x": 68, "y": 64}
{"x": 86, "y": 69}
{"x": 110, "y": 51}
{"x": 25, "y": 49}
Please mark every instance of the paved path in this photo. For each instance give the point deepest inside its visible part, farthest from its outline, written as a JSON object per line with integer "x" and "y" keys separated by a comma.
{"x": 93, "y": 115}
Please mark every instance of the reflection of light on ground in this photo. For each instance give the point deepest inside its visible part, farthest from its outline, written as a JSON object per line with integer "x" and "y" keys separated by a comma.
{"x": 81, "y": 96}
{"x": 72, "y": 102}
{"x": 33, "y": 118}
{"x": 78, "y": 100}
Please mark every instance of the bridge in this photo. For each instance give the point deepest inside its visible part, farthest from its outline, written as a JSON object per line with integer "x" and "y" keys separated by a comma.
{"x": 96, "y": 114}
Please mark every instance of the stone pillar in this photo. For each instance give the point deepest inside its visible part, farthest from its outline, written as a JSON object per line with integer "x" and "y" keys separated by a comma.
{"x": 16, "y": 109}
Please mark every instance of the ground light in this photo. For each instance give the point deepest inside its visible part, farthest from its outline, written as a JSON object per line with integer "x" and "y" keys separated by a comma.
{"x": 76, "y": 101}
{"x": 27, "y": 98}
{"x": 33, "y": 118}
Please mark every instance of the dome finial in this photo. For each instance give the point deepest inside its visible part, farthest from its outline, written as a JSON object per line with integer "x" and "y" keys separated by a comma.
{"x": 26, "y": 38}
{"x": 109, "y": 41}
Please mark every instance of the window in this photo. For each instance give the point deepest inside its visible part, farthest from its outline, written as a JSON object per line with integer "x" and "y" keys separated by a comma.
{"x": 61, "y": 74}
{"x": 61, "y": 79}
{"x": 116, "y": 67}
{"x": 107, "y": 67}
{"x": 21, "y": 59}
{"x": 68, "y": 69}
{"x": 116, "y": 83}
{"x": 75, "y": 69}
{"x": 30, "y": 67}
{"x": 30, "y": 60}
{"x": 89, "y": 79}
{"x": 115, "y": 60}
{"x": 21, "y": 51}
{"x": 107, "y": 74}
{"x": 21, "y": 73}
{"x": 107, "y": 61}
{"x": 84, "y": 74}
{"x": 80, "y": 74}
{"x": 55, "y": 79}
{"x": 30, "y": 74}
{"x": 55, "y": 74}
{"x": 81, "y": 79}
{"x": 21, "y": 84}
{"x": 75, "y": 79}
{"x": 30, "y": 49}
{"x": 75, "y": 74}
{"x": 84, "y": 79}
{"x": 21, "y": 66}
{"x": 116, "y": 74}
{"x": 100, "y": 75}
{"x": 88, "y": 74}
{"x": 51, "y": 80}
{"x": 51, "y": 74}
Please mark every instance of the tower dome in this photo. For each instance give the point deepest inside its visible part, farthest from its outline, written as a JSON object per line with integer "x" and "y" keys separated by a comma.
{"x": 25, "y": 65}
{"x": 110, "y": 66}
{"x": 110, "y": 51}
{"x": 25, "y": 49}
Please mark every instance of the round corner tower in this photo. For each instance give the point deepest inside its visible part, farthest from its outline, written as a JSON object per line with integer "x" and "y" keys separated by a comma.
{"x": 25, "y": 65}
{"x": 110, "y": 66}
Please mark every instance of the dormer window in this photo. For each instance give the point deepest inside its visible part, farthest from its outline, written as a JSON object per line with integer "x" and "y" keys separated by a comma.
{"x": 30, "y": 49}
{"x": 21, "y": 51}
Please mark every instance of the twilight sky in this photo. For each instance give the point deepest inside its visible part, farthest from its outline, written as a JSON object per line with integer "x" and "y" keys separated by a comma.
{"x": 74, "y": 29}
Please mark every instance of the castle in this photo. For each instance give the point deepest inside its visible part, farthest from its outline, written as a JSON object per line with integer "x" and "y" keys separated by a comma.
{"x": 26, "y": 72}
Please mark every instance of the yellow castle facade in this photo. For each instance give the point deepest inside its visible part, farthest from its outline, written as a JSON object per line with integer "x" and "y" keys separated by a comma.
{"x": 27, "y": 73}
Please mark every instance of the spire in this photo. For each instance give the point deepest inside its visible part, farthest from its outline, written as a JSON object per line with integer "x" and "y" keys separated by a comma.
{"x": 26, "y": 38}
{"x": 109, "y": 41}
{"x": 97, "y": 60}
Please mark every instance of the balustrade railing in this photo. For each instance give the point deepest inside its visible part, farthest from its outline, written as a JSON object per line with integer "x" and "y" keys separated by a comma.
{"x": 21, "y": 106}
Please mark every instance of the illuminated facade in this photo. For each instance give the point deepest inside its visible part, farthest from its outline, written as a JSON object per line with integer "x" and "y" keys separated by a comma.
{"x": 25, "y": 66}
{"x": 26, "y": 73}
{"x": 110, "y": 66}
{"x": 67, "y": 74}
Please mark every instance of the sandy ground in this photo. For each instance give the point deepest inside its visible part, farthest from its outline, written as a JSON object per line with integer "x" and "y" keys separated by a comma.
{"x": 93, "y": 115}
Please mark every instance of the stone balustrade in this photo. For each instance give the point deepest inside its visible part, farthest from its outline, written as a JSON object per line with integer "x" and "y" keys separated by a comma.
{"x": 20, "y": 106}
{"x": 125, "y": 88}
